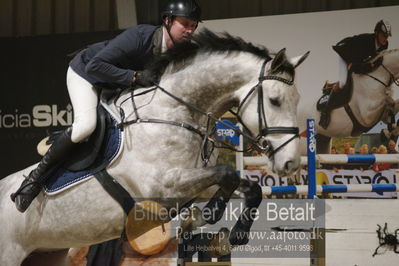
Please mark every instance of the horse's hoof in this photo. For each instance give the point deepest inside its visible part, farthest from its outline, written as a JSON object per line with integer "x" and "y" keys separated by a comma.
{"x": 220, "y": 245}
{"x": 239, "y": 235}
{"x": 385, "y": 135}
{"x": 194, "y": 221}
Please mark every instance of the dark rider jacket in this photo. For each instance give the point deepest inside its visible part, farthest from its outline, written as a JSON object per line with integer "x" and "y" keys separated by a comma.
{"x": 358, "y": 49}
{"x": 112, "y": 63}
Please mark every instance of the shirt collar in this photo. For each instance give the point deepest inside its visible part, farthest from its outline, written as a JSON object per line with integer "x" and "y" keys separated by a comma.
{"x": 157, "y": 41}
{"x": 376, "y": 44}
{"x": 164, "y": 48}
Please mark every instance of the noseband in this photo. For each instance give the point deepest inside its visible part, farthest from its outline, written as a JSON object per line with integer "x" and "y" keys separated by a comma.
{"x": 264, "y": 130}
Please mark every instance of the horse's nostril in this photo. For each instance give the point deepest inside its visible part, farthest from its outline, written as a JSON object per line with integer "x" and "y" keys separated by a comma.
{"x": 288, "y": 165}
{"x": 291, "y": 166}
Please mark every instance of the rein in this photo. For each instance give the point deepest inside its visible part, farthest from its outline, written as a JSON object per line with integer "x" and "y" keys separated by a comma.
{"x": 264, "y": 130}
{"x": 357, "y": 127}
{"x": 391, "y": 78}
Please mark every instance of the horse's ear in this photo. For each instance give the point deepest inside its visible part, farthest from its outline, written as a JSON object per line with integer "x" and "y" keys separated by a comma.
{"x": 278, "y": 61}
{"x": 296, "y": 61}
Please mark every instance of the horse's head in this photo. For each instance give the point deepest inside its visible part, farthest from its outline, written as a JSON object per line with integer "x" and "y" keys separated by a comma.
{"x": 269, "y": 111}
{"x": 217, "y": 72}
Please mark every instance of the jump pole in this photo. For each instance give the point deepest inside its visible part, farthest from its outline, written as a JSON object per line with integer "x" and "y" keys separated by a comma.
{"x": 303, "y": 190}
{"x": 333, "y": 159}
{"x": 312, "y": 189}
{"x": 311, "y": 147}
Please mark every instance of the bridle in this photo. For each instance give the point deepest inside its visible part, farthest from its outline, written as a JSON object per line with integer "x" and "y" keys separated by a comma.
{"x": 264, "y": 129}
{"x": 390, "y": 80}
{"x": 256, "y": 142}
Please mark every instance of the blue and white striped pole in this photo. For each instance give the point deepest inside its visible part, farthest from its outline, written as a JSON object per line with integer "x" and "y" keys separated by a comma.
{"x": 334, "y": 159}
{"x": 303, "y": 190}
{"x": 311, "y": 144}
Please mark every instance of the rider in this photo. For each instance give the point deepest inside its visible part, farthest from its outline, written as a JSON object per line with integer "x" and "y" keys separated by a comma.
{"x": 354, "y": 53}
{"x": 116, "y": 63}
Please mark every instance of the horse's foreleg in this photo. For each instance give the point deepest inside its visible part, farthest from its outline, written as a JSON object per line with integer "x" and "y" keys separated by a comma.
{"x": 390, "y": 109}
{"x": 58, "y": 258}
{"x": 228, "y": 182}
{"x": 12, "y": 253}
{"x": 323, "y": 144}
{"x": 253, "y": 197}
{"x": 188, "y": 183}
{"x": 396, "y": 106}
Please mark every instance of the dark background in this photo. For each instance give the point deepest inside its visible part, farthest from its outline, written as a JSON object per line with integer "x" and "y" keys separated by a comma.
{"x": 148, "y": 10}
{"x": 33, "y": 72}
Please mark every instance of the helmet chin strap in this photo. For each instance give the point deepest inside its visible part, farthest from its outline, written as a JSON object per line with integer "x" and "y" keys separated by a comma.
{"x": 168, "y": 26}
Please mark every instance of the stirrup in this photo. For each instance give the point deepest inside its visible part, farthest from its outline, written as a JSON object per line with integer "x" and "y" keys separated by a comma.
{"x": 330, "y": 87}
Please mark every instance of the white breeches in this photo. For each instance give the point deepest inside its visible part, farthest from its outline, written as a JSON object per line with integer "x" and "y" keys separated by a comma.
{"x": 342, "y": 72}
{"x": 84, "y": 100}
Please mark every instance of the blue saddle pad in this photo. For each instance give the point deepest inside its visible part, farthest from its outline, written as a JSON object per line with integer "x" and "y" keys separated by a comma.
{"x": 64, "y": 178}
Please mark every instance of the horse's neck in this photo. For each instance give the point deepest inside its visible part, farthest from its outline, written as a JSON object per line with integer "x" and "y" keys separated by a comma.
{"x": 369, "y": 96}
{"x": 210, "y": 82}
{"x": 391, "y": 62}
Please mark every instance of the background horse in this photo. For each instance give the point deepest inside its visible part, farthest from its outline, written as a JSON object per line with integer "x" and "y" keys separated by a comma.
{"x": 370, "y": 98}
{"x": 161, "y": 160}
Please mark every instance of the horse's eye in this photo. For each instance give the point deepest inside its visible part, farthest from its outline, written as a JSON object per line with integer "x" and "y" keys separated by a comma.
{"x": 274, "y": 101}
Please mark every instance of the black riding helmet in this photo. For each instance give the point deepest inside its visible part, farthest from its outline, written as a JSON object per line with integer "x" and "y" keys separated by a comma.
{"x": 182, "y": 8}
{"x": 383, "y": 26}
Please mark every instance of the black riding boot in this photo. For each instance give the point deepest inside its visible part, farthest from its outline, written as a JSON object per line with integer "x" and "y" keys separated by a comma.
{"x": 33, "y": 184}
{"x": 325, "y": 117}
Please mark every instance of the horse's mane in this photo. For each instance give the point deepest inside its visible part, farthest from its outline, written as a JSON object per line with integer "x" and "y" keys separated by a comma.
{"x": 205, "y": 41}
{"x": 209, "y": 41}
{"x": 383, "y": 53}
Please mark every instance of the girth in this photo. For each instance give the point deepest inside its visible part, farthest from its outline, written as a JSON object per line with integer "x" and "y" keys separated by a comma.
{"x": 357, "y": 127}
{"x": 115, "y": 190}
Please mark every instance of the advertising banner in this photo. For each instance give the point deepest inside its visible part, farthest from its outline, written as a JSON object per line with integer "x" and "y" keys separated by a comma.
{"x": 333, "y": 177}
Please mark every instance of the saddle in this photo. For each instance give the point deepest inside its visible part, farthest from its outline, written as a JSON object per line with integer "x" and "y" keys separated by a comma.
{"x": 332, "y": 98}
{"x": 90, "y": 156}
{"x": 88, "y": 153}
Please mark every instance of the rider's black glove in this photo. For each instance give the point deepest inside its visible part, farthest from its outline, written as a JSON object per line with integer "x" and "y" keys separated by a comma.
{"x": 144, "y": 79}
{"x": 362, "y": 68}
